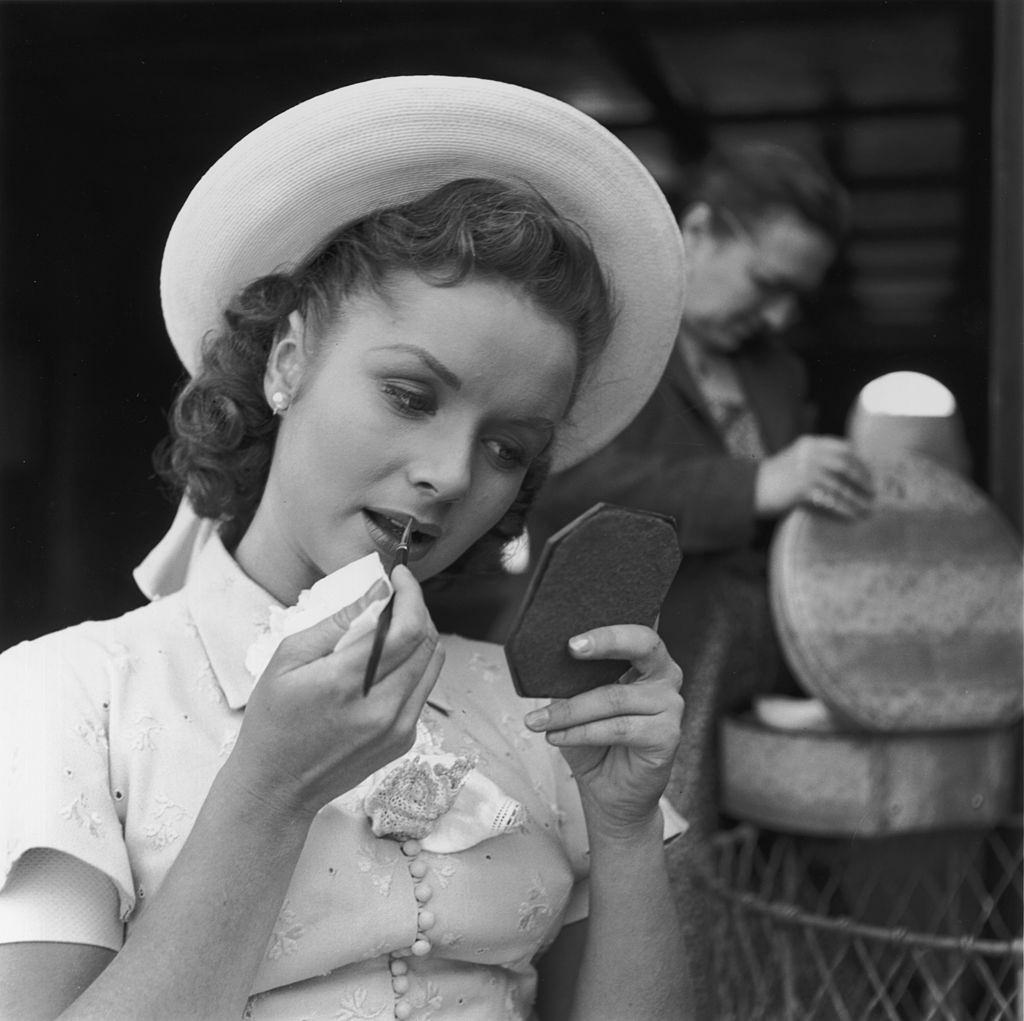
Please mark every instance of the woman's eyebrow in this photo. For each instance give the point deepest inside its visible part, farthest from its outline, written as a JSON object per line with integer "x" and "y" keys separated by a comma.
{"x": 537, "y": 422}
{"x": 441, "y": 371}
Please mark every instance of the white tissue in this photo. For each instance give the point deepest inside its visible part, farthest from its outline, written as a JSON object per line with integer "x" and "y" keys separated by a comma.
{"x": 334, "y": 592}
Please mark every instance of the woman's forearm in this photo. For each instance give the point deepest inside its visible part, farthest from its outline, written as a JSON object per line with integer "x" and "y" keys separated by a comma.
{"x": 634, "y": 962}
{"x": 195, "y": 951}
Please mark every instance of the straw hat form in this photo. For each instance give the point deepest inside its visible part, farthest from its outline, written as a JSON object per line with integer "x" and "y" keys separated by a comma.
{"x": 338, "y": 156}
{"x": 282, "y": 188}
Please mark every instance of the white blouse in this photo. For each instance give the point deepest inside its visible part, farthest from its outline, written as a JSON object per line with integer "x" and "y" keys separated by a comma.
{"x": 111, "y": 733}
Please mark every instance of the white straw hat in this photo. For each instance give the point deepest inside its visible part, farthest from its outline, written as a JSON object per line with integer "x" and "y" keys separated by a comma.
{"x": 276, "y": 193}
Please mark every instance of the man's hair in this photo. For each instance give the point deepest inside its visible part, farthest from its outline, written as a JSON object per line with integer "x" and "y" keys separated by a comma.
{"x": 754, "y": 179}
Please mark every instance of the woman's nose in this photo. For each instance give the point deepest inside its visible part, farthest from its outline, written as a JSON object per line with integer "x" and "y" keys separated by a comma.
{"x": 444, "y": 467}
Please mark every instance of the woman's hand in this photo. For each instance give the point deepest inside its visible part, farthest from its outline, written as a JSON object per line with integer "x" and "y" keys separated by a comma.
{"x": 309, "y": 734}
{"x": 820, "y": 471}
{"x": 620, "y": 739}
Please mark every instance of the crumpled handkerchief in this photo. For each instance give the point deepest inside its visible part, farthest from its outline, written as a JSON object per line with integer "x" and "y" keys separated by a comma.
{"x": 433, "y": 796}
{"x": 330, "y": 594}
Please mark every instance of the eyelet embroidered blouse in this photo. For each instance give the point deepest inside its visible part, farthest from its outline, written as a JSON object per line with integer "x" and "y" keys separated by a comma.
{"x": 111, "y": 734}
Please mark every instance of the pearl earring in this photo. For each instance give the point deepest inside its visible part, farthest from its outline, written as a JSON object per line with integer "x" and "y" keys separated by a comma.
{"x": 279, "y": 402}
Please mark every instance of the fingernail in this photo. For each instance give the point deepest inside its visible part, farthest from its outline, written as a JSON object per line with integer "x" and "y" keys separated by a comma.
{"x": 537, "y": 719}
{"x": 579, "y": 643}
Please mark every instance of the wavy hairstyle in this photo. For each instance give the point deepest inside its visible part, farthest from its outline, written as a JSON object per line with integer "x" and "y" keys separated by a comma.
{"x": 222, "y": 432}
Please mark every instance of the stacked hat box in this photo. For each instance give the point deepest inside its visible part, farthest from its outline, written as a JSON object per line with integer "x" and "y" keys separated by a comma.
{"x": 904, "y": 628}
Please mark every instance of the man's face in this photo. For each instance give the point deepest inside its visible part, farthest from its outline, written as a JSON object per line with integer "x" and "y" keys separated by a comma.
{"x": 744, "y": 282}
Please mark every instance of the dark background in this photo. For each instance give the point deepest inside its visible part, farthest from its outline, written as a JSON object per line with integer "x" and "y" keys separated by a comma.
{"x": 109, "y": 112}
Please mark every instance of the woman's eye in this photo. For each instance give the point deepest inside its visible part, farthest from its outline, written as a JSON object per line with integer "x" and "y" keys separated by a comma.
{"x": 507, "y": 456}
{"x": 408, "y": 400}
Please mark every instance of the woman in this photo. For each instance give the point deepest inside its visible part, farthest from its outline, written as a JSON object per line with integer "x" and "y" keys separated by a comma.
{"x": 202, "y": 824}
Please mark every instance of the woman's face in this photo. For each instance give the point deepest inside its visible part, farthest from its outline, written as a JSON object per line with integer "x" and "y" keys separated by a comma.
{"x": 431, "y": 402}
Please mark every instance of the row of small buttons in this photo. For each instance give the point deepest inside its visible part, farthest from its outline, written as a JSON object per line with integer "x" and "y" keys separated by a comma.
{"x": 422, "y": 891}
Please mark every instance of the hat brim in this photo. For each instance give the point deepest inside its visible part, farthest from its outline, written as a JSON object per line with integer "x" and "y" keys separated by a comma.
{"x": 276, "y": 193}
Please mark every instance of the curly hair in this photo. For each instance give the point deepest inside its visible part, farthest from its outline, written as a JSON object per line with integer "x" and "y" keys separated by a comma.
{"x": 222, "y": 432}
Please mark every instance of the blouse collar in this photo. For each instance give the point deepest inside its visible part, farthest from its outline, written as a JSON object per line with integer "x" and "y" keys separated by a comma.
{"x": 230, "y": 612}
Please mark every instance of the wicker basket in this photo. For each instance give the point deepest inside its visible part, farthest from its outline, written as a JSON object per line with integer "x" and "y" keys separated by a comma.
{"x": 924, "y": 926}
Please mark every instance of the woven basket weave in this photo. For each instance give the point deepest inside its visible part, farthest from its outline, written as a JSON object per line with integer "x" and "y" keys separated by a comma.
{"x": 923, "y": 927}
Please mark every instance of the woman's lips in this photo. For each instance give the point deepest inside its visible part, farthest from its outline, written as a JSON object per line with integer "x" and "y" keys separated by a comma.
{"x": 385, "y": 528}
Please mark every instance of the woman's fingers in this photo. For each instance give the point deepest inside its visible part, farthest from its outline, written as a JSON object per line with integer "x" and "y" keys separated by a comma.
{"x": 620, "y": 731}
{"x": 411, "y": 642}
{"x": 322, "y": 638}
{"x": 334, "y": 653}
{"x": 619, "y": 713}
{"x": 345, "y": 735}
{"x": 610, "y": 702}
{"x": 639, "y": 645}
{"x": 606, "y": 702}
{"x": 619, "y": 740}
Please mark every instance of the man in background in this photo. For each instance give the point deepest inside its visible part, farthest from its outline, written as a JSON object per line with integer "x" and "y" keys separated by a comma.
{"x": 725, "y": 445}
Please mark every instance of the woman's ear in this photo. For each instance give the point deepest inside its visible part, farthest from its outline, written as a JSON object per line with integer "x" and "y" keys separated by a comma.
{"x": 286, "y": 364}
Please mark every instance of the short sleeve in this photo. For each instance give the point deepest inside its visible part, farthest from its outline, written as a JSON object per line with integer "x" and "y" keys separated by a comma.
{"x": 55, "y": 789}
{"x": 51, "y": 897}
